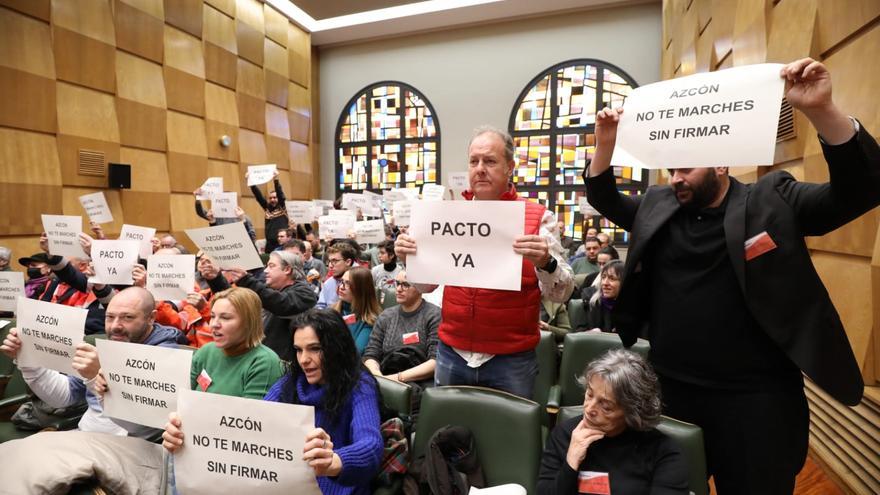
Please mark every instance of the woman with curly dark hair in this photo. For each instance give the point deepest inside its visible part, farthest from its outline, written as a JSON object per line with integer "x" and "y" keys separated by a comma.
{"x": 346, "y": 447}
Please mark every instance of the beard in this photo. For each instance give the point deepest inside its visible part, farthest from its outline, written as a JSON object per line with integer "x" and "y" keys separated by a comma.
{"x": 701, "y": 194}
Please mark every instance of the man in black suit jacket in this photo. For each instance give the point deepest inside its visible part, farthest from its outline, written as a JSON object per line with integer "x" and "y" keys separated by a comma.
{"x": 720, "y": 280}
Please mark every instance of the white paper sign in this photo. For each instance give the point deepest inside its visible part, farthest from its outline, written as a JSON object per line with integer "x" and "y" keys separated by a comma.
{"x": 335, "y": 226}
{"x": 466, "y": 243}
{"x": 223, "y": 204}
{"x": 433, "y": 192}
{"x": 401, "y": 212}
{"x": 709, "y": 119}
{"x": 170, "y": 277}
{"x": 96, "y": 207}
{"x": 212, "y": 185}
{"x": 586, "y": 208}
{"x": 325, "y": 204}
{"x": 370, "y": 231}
{"x": 63, "y": 232}
{"x": 49, "y": 334}
{"x": 143, "y": 380}
{"x": 228, "y": 244}
{"x": 342, "y": 213}
{"x": 354, "y": 202}
{"x": 459, "y": 181}
{"x": 3, "y": 323}
{"x": 225, "y": 445}
{"x": 300, "y": 211}
{"x": 114, "y": 261}
{"x": 260, "y": 174}
{"x": 11, "y": 288}
{"x": 317, "y": 212}
{"x": 143, "y": 235}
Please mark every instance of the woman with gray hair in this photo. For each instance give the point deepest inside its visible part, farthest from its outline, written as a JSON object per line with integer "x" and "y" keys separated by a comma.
{"x": 5, "y": 256}
{"x": 614, "y": 447}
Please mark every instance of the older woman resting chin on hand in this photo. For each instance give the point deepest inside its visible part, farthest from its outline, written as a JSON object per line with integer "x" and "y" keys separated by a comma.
{"x": 614, "y": 447}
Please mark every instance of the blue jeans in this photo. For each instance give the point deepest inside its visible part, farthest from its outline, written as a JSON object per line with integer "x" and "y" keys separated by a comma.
{"x": 514, "y": 373}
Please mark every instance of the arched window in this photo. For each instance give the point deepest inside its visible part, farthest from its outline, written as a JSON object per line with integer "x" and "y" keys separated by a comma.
{"x": 552, "y": 125}
{"x": 387, "y": 136}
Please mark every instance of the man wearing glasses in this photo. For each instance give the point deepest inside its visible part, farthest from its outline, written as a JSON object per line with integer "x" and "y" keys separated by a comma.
{"x": 340, "y": 257}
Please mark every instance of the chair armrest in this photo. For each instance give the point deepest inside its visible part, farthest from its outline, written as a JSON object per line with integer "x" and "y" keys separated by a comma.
{"x": 554, "y": 397}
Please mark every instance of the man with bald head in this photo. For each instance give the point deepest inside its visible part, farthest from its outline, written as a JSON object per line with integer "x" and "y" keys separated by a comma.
{"x": 130, "y": 317}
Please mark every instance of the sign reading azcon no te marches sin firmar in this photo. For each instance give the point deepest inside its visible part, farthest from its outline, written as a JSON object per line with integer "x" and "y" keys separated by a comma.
{"x": 243, "y": 445}
{"x": 49, "y": 334}
{"x": 466, "y": 243}
{"x": 710, "y": 119}
{"x": 228, "y": 244}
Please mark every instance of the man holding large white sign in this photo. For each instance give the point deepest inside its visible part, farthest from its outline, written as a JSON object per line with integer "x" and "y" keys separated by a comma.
{"x": 737, "y": 310}
{"x": 63, "y": 232}
{"x": 487, "y": 335}
{"x": 130, "y": 317}
{"x": 723, "y": 118}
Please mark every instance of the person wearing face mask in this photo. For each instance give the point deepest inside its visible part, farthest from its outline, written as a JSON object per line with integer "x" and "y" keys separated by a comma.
{"x": 615, "y": 440}
{"x": 39, "y": 276}
{"x": 345, "y": 448}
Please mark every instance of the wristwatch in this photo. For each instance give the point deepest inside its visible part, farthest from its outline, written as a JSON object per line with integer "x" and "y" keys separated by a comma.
{"x": 551, "y": 265}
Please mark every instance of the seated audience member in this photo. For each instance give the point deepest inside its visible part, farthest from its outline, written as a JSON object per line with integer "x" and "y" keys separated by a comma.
{"x": 5, "y": 256}
{"x": 592, "y": 281}
{"x": 310, "y": 262}
{"x": 130, "y": 317}
{"x": 601, "y": 303}
{"x": 340, "y": 258}
{"x": 358, "y": 304}
{"x": 318, "y": 246}
{"x": 403, "y": 344}
{"x": 167, "y": 241}
{"x": 587, "y": 262}
{"x": 313, "y": 275}
{"x": 604, "y": 240}
{"x": 283, "y": 294}
{"x": 345, "y": 448}
{"x": 554, "y": 318}
{"x": 616, "y": 436}
{"x": 283, "y": 236}
{"x": 39, "y": 275}
{"x": 386, "y": 271}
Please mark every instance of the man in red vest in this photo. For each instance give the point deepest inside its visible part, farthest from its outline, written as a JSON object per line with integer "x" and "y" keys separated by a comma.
{"x": 488, "y": 337}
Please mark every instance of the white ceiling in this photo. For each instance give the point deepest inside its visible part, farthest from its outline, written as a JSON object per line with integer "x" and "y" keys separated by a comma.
{"x": 346, "y": 21}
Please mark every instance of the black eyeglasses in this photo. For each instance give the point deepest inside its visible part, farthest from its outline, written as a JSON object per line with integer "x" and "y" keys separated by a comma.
{"x": 402, "y": 285}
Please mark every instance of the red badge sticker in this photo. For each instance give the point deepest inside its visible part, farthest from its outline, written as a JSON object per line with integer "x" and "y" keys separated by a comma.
{"x": 594, "y": 483}
{"x": 203, "y": 380}
{"x": 758, "y": 245}
{"x": 349, "y": 319}
{"x": 411, "y": 338}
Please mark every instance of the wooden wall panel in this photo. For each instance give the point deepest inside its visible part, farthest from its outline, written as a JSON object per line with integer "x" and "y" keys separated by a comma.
{"x": 184, "y": 92}
{"x": 139, "y": 80}
{"x": 277, "y": 150}
{"x": 85, "y": 61}
{"x": 276, "y": 122}
{"x": 225, "y": 6}
{"x": 251, "y": 80}
{"x": 86, "y": 113}
{"x": 300, "y": 99}
{"x": 68, "y": 156}
{"x": 28, "y": 201}
{"x": 149, "y": 170}
{"x": 186, "y": 15}
{"x": 791, "y": 31}
{"x": 41, "y": 9}
{"x": 35, "y": 157}
{"x": 186, "y": 134}
{"x": 149, "y": 209}
{"x": 220, "y": 104}
{"x": 139, "y": 32}
{"x": 184, "y": 51}
{"x": 837, "y": 20}
{"x": 253, "y": 148}
{"x": 299, "y": 158}
{"x": 183, "y": 215}
{"x": 299, "y": 48}
{"x": 187, "y": 172}
{"x": 92, "y": 18}
{"x": 140, "y": 125}
{"x": 27, "y": 101}
{"x": 276, "y": 25}
{"x": 250, "y": 42}
{"x": 750, "y": 32}
{"x": 723, "y": 17}
{"x": 300, "y": 127}
{"x": 277, "y": 88}
{"x": 221, "y": 66}
{"x": 250, "y": 12}
{"x": 26, "y": 44}
{"x": 22, "y": 246}
{"x": 155, "y": 8}
{"x": 251, "y": 112}
{"x": 229, "y": 172}
{"x": 70, "y": 205}
{"x": 219, "y": 29}
{"x": 276, "y": 58}
{"x": 215, "y": 131}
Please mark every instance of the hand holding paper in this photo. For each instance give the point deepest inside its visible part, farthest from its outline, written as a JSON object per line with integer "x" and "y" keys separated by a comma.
{"x": 533, "y": 248}
{"x": 11, "y": 344}
{"x": 808, "y": 89}
{"x": 85, "y": 360}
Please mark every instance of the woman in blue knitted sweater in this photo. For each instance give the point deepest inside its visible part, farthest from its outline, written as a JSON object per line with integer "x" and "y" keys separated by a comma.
{"x": 345, "y": 449}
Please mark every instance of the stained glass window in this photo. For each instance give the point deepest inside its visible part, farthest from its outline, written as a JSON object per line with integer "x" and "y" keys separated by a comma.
{"x": 552, "y": 125}
{"x": 387, "y": 136}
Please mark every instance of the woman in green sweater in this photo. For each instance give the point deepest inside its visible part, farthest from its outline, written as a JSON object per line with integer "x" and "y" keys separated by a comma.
{"x": 358, "y": 305}
{"x": 236, "y": 363}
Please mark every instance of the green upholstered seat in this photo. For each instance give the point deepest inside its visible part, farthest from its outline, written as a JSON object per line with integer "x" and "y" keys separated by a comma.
{"x": 577, "y": 314}
{"x": 689, "y": 438}
{"x": 579, "y": 349}
{"x": 547, "y": 372}
{"x": 395, "y": 395}
{"x": 506, "y": 429}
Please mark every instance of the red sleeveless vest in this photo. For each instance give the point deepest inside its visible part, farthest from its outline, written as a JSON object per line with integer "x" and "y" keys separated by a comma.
{"x": 496, "y": 321}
